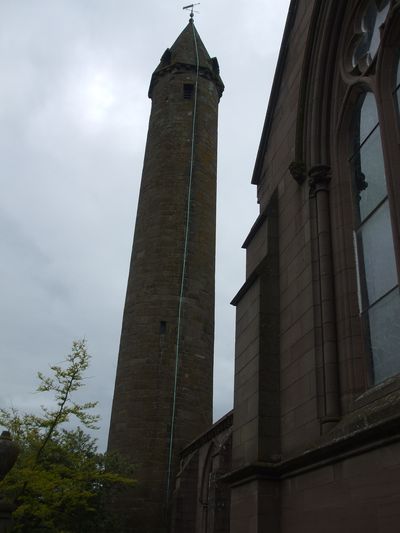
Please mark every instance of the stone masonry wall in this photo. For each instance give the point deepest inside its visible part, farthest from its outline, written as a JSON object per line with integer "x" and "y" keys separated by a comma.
{"x": 143, "y": 399}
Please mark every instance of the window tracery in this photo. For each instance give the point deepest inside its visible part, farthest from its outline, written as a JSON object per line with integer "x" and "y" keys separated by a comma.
{"x": 372, "y": 19}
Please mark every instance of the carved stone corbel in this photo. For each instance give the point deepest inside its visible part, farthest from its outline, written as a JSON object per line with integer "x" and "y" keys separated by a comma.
{"x": 298, "y": 171}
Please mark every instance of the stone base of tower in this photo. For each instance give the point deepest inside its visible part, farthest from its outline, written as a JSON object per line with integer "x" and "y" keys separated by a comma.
{"x": 137, "y": 513}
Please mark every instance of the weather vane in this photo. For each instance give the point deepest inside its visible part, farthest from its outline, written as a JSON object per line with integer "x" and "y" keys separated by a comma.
{"x": 192, "y": 12}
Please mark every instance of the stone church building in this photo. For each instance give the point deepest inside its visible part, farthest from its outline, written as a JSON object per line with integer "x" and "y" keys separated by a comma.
{"x": 312, "y": 444}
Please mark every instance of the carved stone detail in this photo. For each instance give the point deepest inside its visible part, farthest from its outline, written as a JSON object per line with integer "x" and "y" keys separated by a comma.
{"x": 319, "y": 178}
{"x": 298, "y": 171}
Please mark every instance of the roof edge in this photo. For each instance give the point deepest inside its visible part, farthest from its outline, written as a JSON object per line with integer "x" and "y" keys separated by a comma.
{"x": 205, "y": 72}
{"x": 276, "y": 84}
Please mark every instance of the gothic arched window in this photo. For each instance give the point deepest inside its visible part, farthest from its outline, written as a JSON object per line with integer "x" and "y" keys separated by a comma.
{"x": 379, "y": 298}
{"x": 375, "y": 183}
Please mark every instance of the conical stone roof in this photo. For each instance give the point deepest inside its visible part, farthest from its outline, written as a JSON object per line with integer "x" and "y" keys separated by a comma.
{"x": 183, "y": 53}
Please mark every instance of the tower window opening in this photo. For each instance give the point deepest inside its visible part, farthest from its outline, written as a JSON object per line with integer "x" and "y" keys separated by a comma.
{"x": 163, "y": 327}
{"x": 188, "y": 89}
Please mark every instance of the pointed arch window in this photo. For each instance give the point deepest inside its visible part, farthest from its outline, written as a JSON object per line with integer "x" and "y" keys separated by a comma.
{"x": 370, "y": 74}
{"x": 378, "y": 288}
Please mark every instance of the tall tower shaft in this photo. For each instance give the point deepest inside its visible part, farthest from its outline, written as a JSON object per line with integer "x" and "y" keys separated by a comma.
{"x": 163, "y": 388}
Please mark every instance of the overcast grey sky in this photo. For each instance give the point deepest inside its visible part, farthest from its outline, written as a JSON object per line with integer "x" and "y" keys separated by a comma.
{"x": 73, "y": 123}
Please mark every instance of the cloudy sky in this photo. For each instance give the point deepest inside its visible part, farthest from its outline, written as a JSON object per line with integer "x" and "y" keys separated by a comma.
{"x": 73, "y": 121}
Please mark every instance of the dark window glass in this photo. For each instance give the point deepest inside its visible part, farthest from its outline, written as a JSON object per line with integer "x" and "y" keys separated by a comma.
{"x": 384, "y": 325}
{"x": 368, "y": 116}
{"x": 398, "y": 76}
{"x": 379, "y": 260}
{"x": 398, "y": 87}
{"x": 379, "y": 296}
{"x": 370, "y": 174}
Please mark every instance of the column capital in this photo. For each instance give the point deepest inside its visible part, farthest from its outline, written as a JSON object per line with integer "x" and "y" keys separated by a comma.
{"x": 319, "y": 178}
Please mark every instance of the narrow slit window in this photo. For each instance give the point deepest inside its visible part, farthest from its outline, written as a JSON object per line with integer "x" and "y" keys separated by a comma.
{"x": 188, "y": 89}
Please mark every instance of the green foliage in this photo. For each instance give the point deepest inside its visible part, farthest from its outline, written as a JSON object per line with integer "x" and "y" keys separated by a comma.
{"x": 60, "y": 482}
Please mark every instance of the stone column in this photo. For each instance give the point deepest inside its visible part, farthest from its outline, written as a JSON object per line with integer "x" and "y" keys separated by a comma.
{"x": 327, "y": 365}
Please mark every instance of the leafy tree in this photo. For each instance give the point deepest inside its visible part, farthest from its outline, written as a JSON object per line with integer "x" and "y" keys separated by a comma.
{"x": 60, "y": 482}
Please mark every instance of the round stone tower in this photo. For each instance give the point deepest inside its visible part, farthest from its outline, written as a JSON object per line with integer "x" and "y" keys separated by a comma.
{"x": 163, "y": 388}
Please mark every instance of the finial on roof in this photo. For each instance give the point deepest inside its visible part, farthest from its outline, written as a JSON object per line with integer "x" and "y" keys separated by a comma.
{"x": 192, "y": 12}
